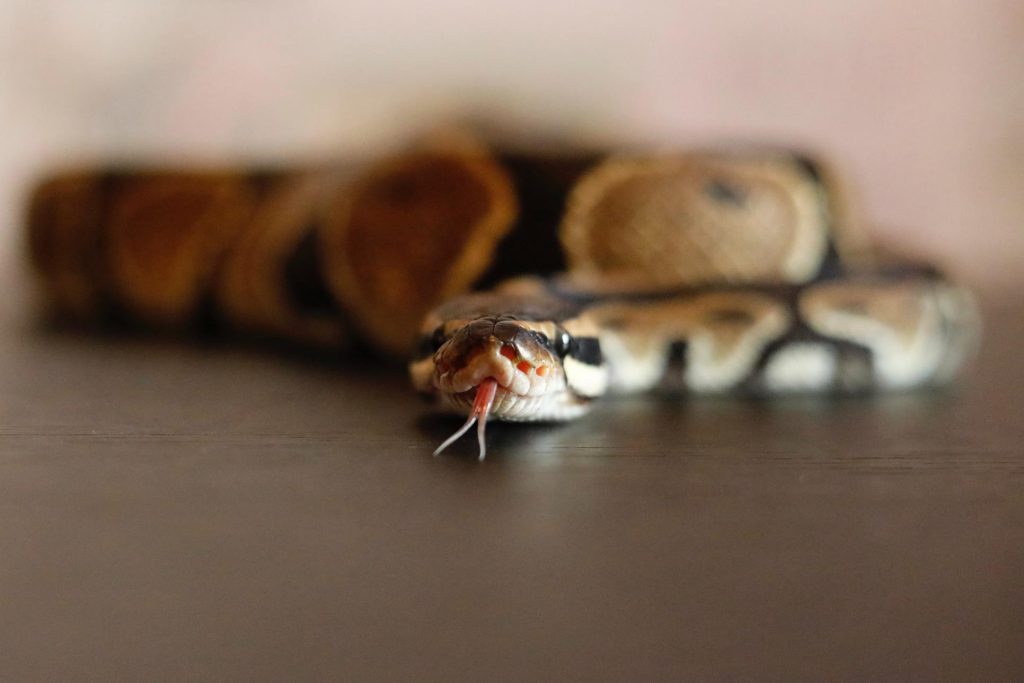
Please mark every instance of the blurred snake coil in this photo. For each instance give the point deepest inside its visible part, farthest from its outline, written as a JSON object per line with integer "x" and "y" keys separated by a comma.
{"x": 549, "y": 278}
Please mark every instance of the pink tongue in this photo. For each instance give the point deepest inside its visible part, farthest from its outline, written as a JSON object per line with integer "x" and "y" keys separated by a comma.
{"x": 482, "y": 403}
{"x": 484, "y": 398}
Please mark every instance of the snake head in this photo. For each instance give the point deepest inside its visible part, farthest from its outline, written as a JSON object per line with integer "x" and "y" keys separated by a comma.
{"x": 525, "y": 349}
{"x": 528, "y": 372}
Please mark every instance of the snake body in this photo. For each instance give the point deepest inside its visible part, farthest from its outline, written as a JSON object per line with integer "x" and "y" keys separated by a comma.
{"x": 716, "y": 272}
{"x": 553, "y": 348}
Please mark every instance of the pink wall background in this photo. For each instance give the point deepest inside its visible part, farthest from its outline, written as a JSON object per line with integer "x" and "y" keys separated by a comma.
{"x": 921, "y": 100}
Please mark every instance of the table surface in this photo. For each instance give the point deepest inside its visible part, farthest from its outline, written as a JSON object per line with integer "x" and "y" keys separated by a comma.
{"x": 173, "y": 511}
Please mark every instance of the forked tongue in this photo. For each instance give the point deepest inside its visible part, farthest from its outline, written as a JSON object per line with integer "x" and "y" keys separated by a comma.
{"x": 481, "y": 408}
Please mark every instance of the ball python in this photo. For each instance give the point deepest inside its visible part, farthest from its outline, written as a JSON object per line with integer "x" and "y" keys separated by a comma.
{"x": 521, "y": 286}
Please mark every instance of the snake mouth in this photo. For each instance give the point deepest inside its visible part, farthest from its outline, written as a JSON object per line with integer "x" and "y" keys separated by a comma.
{"x": 483, "y": 400}
{"x": 503, "y": 396}
{"x": 501, "y": 390}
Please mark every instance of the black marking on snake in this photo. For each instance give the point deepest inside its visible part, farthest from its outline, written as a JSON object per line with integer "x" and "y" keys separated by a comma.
{"x": 675, "y": 364}
{"x": 110, "y": 184}
{"x": 831, "y": 264}
{"x": 306, "y": 285}
{"x": 809, "y": 166}
{"x": 726, "y": 193}
{"x": 801, "y": 332}
{"x": 586, "y": 350}
{"x": 541, "y": 186}
{"x": 430, "y": 343}
{"x": 831, "y": 267}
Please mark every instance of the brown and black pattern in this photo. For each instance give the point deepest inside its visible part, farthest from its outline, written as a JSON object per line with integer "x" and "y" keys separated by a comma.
{"x": 734, "y": 270}
{"x": 315, "y": 255}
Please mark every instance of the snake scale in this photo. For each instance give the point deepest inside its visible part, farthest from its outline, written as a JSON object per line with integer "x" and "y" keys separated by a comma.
{"x": 521, "y": 286}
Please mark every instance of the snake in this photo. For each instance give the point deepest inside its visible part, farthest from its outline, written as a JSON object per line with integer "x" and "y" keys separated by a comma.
{"x": 518, "y": 286}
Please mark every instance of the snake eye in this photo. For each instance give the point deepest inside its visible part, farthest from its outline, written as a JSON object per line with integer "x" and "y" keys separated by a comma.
{"x": 429, "y": 344}
{"x": 562, "y": 343}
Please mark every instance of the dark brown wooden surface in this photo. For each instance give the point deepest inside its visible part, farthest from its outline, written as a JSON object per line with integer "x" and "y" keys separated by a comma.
{"x": 176, "y": 512}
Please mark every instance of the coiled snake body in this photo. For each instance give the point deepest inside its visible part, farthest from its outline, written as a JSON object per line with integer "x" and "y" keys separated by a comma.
{"x": 728, "y": 271}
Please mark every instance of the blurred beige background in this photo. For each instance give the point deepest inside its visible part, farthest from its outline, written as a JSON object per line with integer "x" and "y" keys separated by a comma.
{"x": 921, "y": 100}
